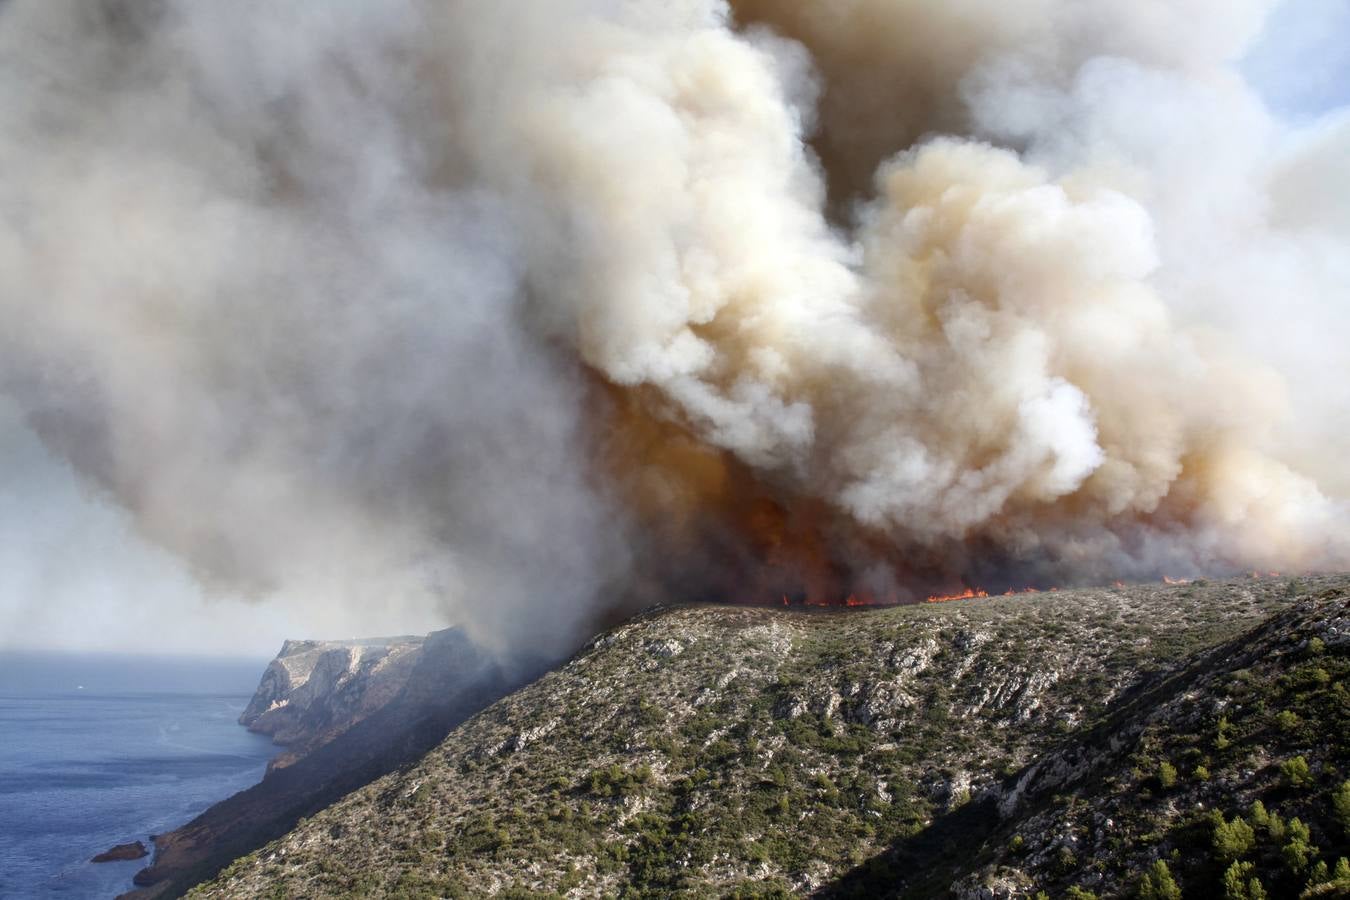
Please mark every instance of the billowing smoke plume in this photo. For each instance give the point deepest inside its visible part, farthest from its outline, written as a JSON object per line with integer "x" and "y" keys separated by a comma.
{"x": 533, "y": 310}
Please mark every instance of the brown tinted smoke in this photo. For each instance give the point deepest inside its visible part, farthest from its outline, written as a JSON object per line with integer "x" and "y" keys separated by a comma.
{"x": 532, "y": 310}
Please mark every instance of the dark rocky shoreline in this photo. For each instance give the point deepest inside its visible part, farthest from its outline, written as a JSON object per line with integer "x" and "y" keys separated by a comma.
{"x": 123, "y": 852}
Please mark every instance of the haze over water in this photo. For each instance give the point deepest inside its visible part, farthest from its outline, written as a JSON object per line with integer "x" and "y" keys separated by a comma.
{"x": 101, "y": 750}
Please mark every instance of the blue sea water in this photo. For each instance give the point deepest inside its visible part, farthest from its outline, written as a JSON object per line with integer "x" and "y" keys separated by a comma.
{"x": 97, "y": 751}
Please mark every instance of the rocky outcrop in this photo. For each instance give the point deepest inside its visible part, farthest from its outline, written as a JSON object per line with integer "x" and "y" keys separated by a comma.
{"x": 122, "y": 852}
{"x": 315, "y": 690}
{"x": 441, "y": 680}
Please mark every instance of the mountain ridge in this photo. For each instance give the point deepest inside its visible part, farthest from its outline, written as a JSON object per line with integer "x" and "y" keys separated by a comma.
{"x": 702, "y": 750}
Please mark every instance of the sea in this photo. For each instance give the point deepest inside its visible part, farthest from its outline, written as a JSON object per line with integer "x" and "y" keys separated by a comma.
{"x": 104, "y": 750}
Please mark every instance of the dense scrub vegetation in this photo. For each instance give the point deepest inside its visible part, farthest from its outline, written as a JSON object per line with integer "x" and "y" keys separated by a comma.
{"x": 1079, "y": 743}
{"x": 1237, "y": 785}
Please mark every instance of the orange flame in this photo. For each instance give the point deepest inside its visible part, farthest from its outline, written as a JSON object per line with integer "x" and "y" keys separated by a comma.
{"x": 854, "y": 600}
{"x": 967, "y": 594}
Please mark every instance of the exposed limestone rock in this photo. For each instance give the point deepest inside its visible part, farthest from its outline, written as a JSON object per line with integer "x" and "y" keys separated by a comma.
{"x": 315, "y": 690}
{"x": 450, "y": 678}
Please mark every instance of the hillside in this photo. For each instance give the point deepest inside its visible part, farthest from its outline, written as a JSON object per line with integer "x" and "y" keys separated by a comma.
{"x": 450, "y": 679}
{"x": 988, "y": 748}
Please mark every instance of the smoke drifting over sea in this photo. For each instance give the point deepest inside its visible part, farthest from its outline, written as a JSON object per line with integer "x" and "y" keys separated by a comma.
{"x": 528, "y": 311}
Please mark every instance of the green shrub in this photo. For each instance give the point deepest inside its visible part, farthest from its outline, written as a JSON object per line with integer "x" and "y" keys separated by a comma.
{"x": 1296, "y": 772}
{"x": 1221, "y": 740}
{"x": 613, "y": 781}
{"x": 1298, "y": 831}
{"x": 1235, "y": 881}
{"x": 1232, "y": 840}
{"x": 770, "y": 890}
{"x": 1298, "y": 850}
{"x": 1340, "y": 806}
{"x": 1158, "y": 883}
{"x": 1167, "y": 775}
{"x": 649, "y": 713}
{"x": 1275, "y": 829}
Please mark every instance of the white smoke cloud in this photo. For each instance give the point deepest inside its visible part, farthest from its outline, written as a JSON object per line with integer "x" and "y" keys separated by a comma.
{"x": 236, "y": 297}
{"x": 364, "y": 301}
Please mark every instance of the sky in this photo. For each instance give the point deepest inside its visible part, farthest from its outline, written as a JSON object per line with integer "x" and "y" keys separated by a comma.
{"x": 1301, "y": 64}
{"x": 75, "y": 575}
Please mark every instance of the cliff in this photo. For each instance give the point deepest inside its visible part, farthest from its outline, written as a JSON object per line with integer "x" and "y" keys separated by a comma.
{"x": 315, "y": 690}
{"x": 1059, "y": 742}
{"x": 448, "y": 679}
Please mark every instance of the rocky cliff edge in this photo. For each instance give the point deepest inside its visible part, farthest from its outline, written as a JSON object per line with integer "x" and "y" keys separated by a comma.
{"x": 315, "y": 690}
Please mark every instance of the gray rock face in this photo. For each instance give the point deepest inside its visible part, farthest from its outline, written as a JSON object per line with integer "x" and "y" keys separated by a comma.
{"x": 315, "y": 690}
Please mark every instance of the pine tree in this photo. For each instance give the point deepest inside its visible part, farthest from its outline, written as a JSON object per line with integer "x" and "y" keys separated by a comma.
{"x": 1340, "y": 804}
{"x": 1158, "y": 884}
{"x": 1234, "y": 839}
{"x": 1235, "y": 881}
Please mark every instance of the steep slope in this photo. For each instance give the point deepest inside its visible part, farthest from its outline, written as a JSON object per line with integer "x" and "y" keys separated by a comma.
{"x": 1233, "y": 770}
{"x": 315, "y": 690}
{"x": 721, "y": 750}
{"x": 451, "y": 680}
